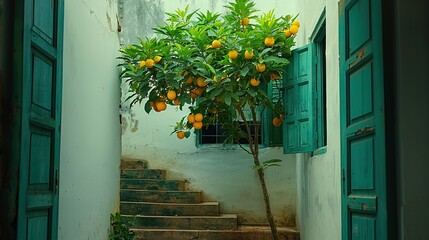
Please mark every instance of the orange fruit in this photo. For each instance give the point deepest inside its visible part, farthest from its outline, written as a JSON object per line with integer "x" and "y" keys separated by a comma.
{"x": 191, "y": 118}
{"x": 193, "y": 94}
{"x": 171, "y": 95}
{"x": 260, "y": 67}
{"x": 254, "y": 82}
{"x": 293, "y": 29}
{"x": 176, "y": 102}
{"x": 180, "y": 134}
{"x": 269, "y": 41}
{"x": 245, "y": 21}
{"x": 296, "y": 23}
{"x": 248, "y": 55}
{"x": 199, "y": 117}
{"x": 232, "y": 54}
{"x": 190, "y": 80}
{"x": 274, "y": 76}
{"x": 216, "y": 44}
{"x": 197, "y": 125}
{"x": 199, "y": 90}
{"x": 157, "y": 59}
{"x": 150, "y": 63}
{"x": 288, "y": 33}
{"x": 200, "y": 82}
{"x": 161, "y": 106}
{"x": 277, "y": 121}
{"x": 142, "y": 63}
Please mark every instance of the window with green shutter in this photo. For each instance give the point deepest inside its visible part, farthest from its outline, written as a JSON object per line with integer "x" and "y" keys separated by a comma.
{"x": 304, "y": 127}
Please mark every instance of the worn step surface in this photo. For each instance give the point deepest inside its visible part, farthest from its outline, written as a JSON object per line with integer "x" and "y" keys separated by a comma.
{"x": 143, "y": 173}
{"x": 220, "y": 222}
{"x": 133, "y": 163}
{"x": 136, "y": 195}
{"x": 170, "y": 209}
{"x": 241, "y": 233}
{"x": 153, "y": 184}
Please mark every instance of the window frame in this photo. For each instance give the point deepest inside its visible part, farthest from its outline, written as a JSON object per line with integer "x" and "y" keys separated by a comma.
{"x": 305, "y": 96}
{"x": 319, "y": 38}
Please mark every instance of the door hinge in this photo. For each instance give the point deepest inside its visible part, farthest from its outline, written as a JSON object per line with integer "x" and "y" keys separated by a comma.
{"x": 56, "y": 181}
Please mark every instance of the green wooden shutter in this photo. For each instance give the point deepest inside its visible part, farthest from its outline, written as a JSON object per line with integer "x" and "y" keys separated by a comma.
{"x": 365, "y": 213}
{"x": 37, "y": 119}
{"x": 300, "y": 96}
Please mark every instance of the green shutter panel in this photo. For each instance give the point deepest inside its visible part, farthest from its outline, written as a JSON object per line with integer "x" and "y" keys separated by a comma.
{"x": 37, "y": 119}
{"x": 300, "y": 102}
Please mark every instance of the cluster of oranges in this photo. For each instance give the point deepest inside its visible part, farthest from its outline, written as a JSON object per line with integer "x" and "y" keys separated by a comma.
{"x": 196, "y": 120}
{"x": 198, "y": 86}
{"x": 293, "y": 29}
{"x": 149, "y": 63}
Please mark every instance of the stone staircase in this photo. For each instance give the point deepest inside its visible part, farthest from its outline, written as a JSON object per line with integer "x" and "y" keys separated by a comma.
{"x": 164, "y": 209}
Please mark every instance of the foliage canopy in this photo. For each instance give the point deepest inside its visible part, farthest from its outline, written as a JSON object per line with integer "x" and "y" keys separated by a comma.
{"x": 211, "y": 62}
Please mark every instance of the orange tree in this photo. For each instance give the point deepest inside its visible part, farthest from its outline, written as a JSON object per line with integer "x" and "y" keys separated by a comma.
{"x": 219, "y": 67}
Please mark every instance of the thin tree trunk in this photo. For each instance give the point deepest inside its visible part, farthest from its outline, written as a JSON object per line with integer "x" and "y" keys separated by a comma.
{"x": 254, "y": 149}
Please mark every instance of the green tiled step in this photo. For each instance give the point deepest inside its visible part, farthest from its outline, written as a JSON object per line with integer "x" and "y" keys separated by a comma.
{"x": 221, "y": 222}
{"x": 170, "y": 209}
{"x": 242, "y": 233}
{"x": 143, "y": 173}
{"x": 153, "y": 184}
{"x": 135, "y": 195}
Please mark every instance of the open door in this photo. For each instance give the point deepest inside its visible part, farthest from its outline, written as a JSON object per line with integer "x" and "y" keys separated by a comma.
{"x": 363, "y": 151}
{"x": 37, "y": 105}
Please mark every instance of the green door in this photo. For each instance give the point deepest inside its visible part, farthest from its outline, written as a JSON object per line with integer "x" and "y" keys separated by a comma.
{"x": 363, "y": 158}
{"x": 37, "y": 90}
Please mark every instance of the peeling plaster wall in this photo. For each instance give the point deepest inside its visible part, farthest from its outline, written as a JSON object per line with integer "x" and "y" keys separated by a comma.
{"x": 223, "y": 174}
{"x": 90, "y": 144}
{"x": 318, "y": 177}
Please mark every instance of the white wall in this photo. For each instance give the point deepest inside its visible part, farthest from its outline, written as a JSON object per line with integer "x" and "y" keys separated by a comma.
{"x": 90, "y": 148}
{"x": 318, "y": 177}
{"x": 224, "y": 175}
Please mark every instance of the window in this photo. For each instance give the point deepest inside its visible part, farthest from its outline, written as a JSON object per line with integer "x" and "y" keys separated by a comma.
{"x": 305, "y": 96}
{"x": 268, "y": 136}
{"x": 215, "y": 134}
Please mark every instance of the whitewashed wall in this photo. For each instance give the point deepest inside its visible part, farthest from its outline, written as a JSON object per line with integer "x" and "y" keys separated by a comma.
{"x": 90, "y": 143}
{"x": 318, "y": 178}
{"x": 224, "y": 175}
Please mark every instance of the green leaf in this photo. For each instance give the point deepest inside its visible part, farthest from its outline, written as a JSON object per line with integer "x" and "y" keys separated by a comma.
{"x": 147, "y": 107}
{"x": 227, "y": 99}
{"x": 244, "y": 71}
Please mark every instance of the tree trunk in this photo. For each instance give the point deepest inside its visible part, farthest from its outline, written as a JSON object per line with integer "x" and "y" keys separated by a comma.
{"x": 268, "y": 212}
{"x": 254, "y": 151}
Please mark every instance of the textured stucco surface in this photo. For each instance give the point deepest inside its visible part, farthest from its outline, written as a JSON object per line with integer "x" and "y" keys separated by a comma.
{"x": 90, "y": 143}
{"x": 318, "y": 177}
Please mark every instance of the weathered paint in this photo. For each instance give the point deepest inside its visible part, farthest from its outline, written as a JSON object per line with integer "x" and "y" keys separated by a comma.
{"x": 224, "y": 174}
{"x": 90, "y": 149}
{"x": 318, "y": 177}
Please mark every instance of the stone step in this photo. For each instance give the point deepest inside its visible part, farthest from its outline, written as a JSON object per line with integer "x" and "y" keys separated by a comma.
{"x": 221, "y": 222}
{"x": 133, "y": 164}
{"x": 170, "y": 209}
{"x": 143, "y": 173}
{"x": 153, "y": 184}
{"x": 241, "y": 233}
{"x": 135, "y": 195}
